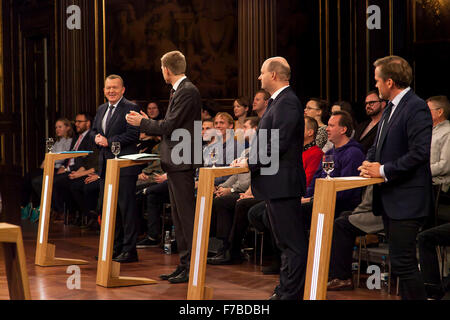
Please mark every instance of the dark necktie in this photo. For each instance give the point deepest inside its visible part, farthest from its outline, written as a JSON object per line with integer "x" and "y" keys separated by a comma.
{"x": 384, "y": 129}
{"x": 269, "y": 103}
{"x": 108, "y": 117}
{"x": 172, "y": 92}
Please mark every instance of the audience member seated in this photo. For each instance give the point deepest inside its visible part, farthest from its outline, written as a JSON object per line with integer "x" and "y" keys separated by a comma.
{"x": 366, "y": 131}
{"x": 312, "y": 155}
{"x": 224, "y": 204}
{"x": 346, "y": 228}
{"x": 146, "y": 178}
{"x": 341, "y": 106}
{"x": 318, "y": 109}
{"x": 64, "y": 134}
{"x": 260, "y": 102}
{"x": 241, "y": 110}
{"x": 146, "y": 143}
{"x": 348, "y": 156}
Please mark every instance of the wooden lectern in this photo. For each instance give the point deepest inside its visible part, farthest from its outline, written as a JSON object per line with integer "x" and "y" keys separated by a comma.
{"x": 45, "y": 252}
{"x": 200, "y": 239}
{"x": 107, "y": 270}
{"x": 16, "y": 265}
{"x": 322, "y": 231}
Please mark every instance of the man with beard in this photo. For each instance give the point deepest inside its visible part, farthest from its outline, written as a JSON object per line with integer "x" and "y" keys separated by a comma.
{"x": 366, "y": 132}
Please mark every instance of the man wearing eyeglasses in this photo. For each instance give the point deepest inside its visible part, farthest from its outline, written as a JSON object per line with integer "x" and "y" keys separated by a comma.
{"x": 366, "y": 132}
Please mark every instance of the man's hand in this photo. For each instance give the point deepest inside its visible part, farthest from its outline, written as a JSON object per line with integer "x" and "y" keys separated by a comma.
{"x": 246, "y": 195}
{"x": 223, "y": 191}
{"x": 143, "y": 177}
{"x": 306, "y": 200}
{"x": 61, "y": 170}
{"x": 133, "y": 118}
{"x": 101, "y": 140}
{"x": 160, "y": 178}
{"x": 91, "y": 178}
{"x": 75, "y": 174}
{"x": 240, "y": 163}
{"x": 370, "y": 169}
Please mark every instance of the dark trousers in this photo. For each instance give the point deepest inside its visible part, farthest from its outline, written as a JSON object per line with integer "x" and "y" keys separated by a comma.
{"x": 85, "y": 195}
{"x": 126, "y": 231}
{"x": 240, "y": 224}
{"x": 61, "y": 191}
{"x": 257, "y": 216}
{"x": 402, "y": 235}
{"x": 182, "y": 201}
{"x": 286, "y": 220}
{"x": 155, "y": 196}
{"x": 428, "y": 240}
{"x": 344, "y": 235}
{"x": 223, "y": 214}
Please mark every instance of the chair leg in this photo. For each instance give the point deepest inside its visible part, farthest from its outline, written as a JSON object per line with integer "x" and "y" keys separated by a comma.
{"x": 359, "y": 263}
{"x": 254, "y": 249}
{"x": 261, "y": 253}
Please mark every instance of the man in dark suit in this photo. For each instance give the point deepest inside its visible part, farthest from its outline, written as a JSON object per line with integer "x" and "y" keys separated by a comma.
{"x": 183, "y": 110}
{"x": 366, "y": 132}
{"x": 110, "y": 126}
{"x": 283, "y": 189}
{"x": 401, "y": 155}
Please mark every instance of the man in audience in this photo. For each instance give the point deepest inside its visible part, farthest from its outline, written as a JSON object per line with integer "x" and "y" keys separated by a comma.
{"x": 365, "y": 133}
{"x": 440, "y": 170}
{"x": 283, "y": 189}
{"x": 401, "y": 155}
{"x": 110, "y": 126}
{"x": 347, "y": 156}
{"x": 260, "y": 102}
{"x": 75, "y": 169}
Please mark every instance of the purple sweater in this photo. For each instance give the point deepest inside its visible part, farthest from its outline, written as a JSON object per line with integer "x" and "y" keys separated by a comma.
{"x": 347, "y": 159}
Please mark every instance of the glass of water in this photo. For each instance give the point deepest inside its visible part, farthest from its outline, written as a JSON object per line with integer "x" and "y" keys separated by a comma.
{"x": 328, "y": 164}
{"x": 49, "y": 142}
{"x": 115, "y": 149}
{"x": 214, "y": 157}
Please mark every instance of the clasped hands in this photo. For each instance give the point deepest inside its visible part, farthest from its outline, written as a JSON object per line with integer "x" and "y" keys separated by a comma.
{"x": 133, "y": 118}
{"x": 370, "y": 169}
{"x": 240, "y": 163}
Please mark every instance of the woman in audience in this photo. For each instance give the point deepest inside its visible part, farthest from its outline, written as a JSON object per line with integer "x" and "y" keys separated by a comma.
{"x": 64, "y": 134}
{"x": 241, "y": 109}
{"x": 318, "y": 109}
{"x": 147, "y": 143}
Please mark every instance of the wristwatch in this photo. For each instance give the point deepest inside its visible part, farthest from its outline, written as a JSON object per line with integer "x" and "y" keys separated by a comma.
{"x": 232, "y": 190}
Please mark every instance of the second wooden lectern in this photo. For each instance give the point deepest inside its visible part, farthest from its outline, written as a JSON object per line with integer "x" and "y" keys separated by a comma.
{"x": 322, "y": 231}
{"x": 45, "y": 252}
{"x": 200, "y": 240}
{"x": 108, "y": 270}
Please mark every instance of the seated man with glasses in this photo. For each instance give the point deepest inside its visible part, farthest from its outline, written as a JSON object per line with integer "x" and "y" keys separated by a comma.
{"x": 365, "y": 133}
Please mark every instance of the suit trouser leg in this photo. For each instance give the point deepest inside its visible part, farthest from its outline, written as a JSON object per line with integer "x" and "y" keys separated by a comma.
{"x": 344, "y": 235}
{"x": 402, "y": 251}
{"x": 287, "y": 225}
{"x": 182, "y": 201}
{"x": 155, "y": 197}
{"x": 224, "y": 213}
{"x": 429, "y": 264}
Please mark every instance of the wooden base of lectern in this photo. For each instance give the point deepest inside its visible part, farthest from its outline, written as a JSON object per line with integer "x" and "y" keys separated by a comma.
{"x": 114, "y": 280}
{"x": 49, "y": 260}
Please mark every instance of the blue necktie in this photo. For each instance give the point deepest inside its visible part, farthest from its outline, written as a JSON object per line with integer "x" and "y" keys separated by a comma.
{"x": 108, "y": 117}
{"x": 384, "y": 129}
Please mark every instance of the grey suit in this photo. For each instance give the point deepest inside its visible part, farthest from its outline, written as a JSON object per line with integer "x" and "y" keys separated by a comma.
{"x": 184, "y": 108}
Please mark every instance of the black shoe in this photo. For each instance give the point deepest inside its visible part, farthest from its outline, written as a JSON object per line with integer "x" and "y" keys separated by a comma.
{"x": 147, "y": 243}
{"x": 275, "y": 297}
{"x": 125, "y": 257}
{"x": 223, "y": 257}
{"x": 177, "y": 271}
{"x": 182, "y": 277}
{"x": 274, "y": 268}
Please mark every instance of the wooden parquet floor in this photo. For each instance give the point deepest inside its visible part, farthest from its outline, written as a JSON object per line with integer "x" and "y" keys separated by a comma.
{"x": 235, "y": 282}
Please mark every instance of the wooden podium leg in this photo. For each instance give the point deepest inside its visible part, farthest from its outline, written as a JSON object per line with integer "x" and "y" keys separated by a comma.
{"x": 320, "y": 241}
{"x": 200, "y": 239}
{"x": 16, "y": 269}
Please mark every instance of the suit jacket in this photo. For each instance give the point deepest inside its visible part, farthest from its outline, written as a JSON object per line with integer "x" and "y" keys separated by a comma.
{"x": 286, "y": 114}
{"x": 405, "y": 154}
{"x": 184, "y": 108}
{"x": 118, "y": 130}
{"x": 87, "y": 144}
{"x": 369, "y": 138}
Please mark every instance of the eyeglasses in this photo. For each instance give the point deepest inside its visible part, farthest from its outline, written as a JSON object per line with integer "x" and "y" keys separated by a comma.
{"x": 371, "y": 103}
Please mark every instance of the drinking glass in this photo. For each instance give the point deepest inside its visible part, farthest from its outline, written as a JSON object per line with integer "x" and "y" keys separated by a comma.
{"x": 49, "y": 142}
{"x": 115, "y": 148}
{"x": 328, "y": 164}
{"x": 214, "y": 157}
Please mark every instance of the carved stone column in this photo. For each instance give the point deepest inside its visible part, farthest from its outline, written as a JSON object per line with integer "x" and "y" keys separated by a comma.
{"x": 257, "y": 41}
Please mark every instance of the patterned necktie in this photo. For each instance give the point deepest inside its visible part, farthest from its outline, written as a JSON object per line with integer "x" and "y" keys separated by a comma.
{"x": 385, "y": 125}
{"x": 108, "y": 117}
